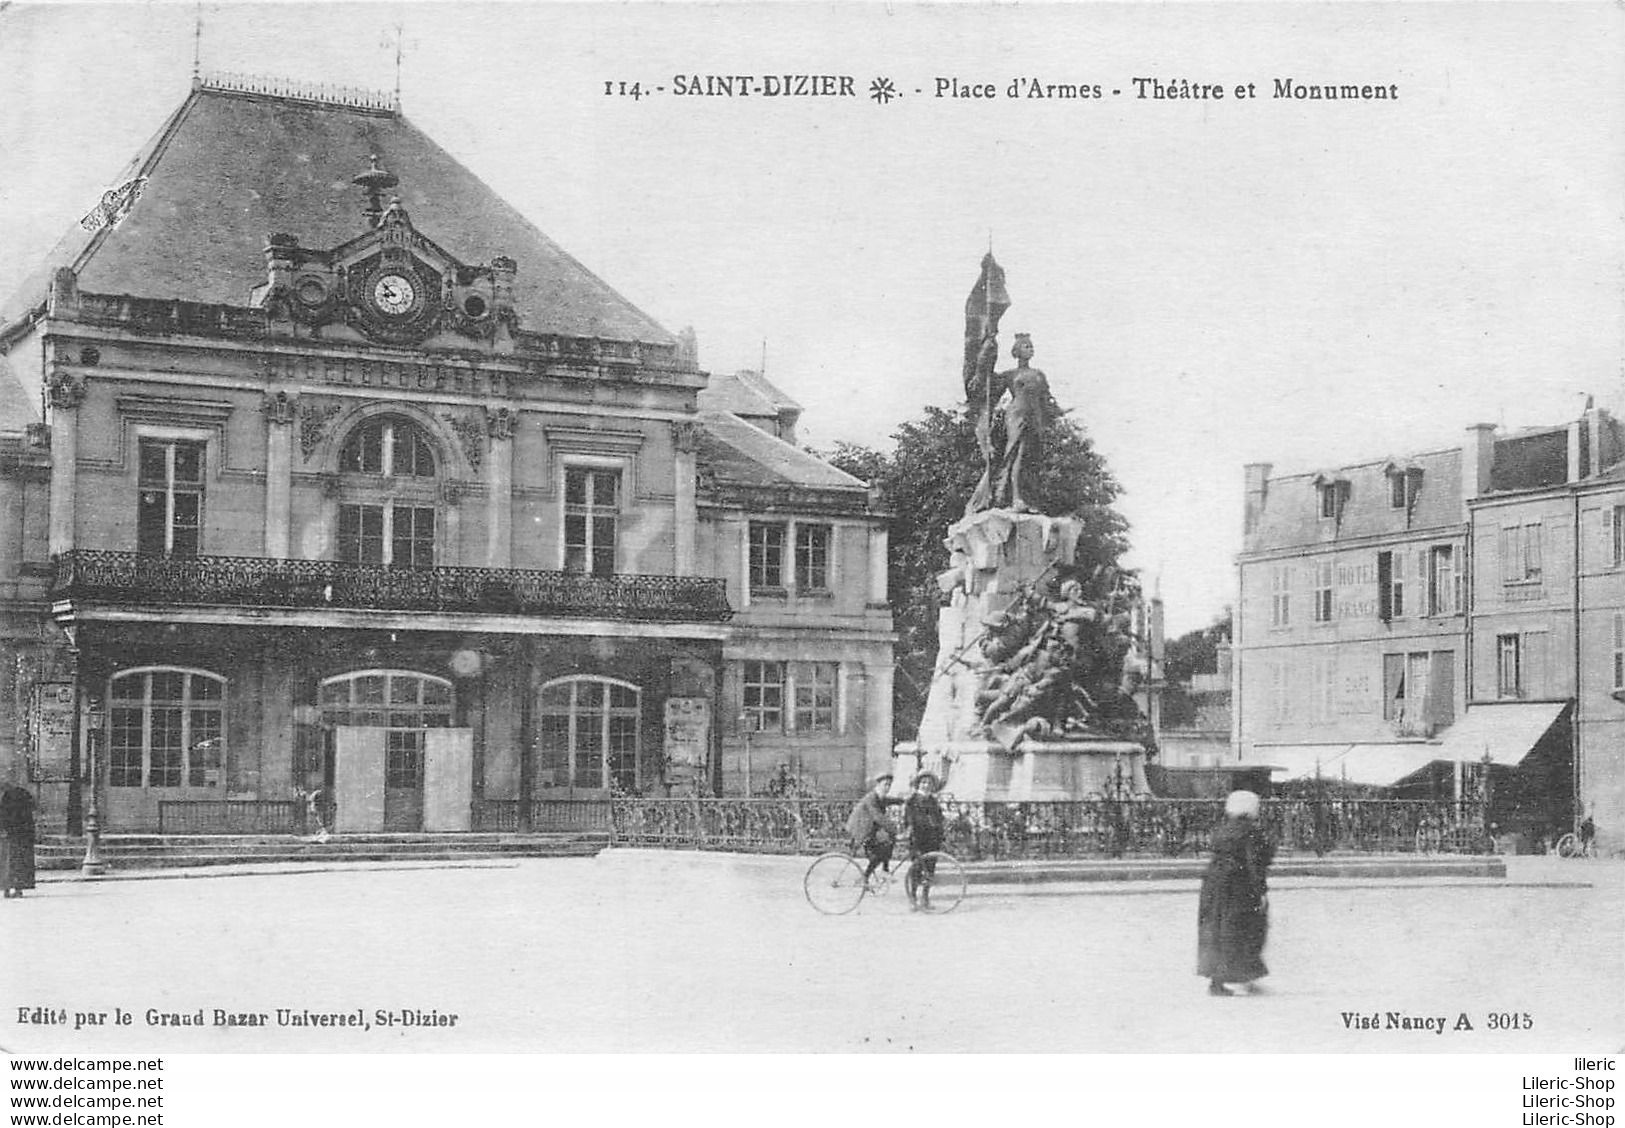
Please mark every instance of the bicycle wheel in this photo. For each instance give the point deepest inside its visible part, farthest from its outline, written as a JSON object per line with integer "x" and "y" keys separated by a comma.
{"x": 940, "y": 881}
{"x": 834, "y": 884}
{"x": 1568, "y": 846}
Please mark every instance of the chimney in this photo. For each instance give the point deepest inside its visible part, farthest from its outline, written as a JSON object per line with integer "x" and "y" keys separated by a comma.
{"x": 1257, "y": 479}
{"x": 1601, "y": 433}
{"x": 1477, "y": 462}
{"x": 1579, "y": 449}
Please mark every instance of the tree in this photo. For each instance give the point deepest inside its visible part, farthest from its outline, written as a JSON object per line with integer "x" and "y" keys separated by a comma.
{"x": 1195, "y": 652}
{"x": 925, "y": 481}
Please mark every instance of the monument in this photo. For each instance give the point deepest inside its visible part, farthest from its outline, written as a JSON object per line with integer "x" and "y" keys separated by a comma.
{"x": 1031, "y": 696}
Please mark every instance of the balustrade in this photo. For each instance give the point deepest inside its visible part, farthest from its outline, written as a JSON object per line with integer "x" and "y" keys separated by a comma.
{"x": 243, "y": 581}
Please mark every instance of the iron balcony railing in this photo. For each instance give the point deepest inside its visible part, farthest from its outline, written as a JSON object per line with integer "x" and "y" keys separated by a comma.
{"x": 251, "y": 581}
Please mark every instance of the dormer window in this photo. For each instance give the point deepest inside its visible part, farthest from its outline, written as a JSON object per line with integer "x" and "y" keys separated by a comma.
{"x": 1404, "y": 483}
{"x": 1330, "y": 494}
{"x": 1327, "y": 492}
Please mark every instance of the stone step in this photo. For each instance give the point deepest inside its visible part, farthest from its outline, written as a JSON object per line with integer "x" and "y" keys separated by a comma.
{"x": 143, "y": 852}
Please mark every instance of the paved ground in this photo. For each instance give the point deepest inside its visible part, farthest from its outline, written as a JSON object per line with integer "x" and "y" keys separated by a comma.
{"x": 658, "y": 951}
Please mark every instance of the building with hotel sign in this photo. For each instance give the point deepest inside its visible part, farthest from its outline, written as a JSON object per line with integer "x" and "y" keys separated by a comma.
{"x": 1420, "y": 622}
{"x": 321, "y": 467}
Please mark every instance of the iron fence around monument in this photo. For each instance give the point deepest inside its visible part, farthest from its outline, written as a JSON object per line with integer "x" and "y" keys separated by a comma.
{"x": 1090, "y": 828}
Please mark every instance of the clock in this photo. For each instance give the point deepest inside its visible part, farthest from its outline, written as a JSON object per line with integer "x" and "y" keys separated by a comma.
{"x": 394, "y": 294}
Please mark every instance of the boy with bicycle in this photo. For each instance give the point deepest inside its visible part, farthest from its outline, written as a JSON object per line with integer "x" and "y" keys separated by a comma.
{"x": 924, "y": 829}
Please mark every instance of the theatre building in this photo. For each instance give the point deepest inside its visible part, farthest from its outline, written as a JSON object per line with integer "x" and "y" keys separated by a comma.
{"x": 321, "y": 467}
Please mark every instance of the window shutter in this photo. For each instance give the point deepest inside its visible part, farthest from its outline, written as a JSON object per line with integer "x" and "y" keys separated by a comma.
{"x": 1442, "y": 689}
{"x": 1385, "y": 594}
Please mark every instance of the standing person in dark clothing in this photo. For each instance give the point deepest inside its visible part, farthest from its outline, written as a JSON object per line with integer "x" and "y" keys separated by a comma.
{"x": 16, "y": 839}
{"x": 924, "y": 829}
{"x": 870, "y": 828}
{"x": 1232, "y": 916}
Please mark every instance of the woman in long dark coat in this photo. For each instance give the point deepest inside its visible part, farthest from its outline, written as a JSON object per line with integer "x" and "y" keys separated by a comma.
{"x": 16, "y": 840}
{"x": 1232, "y": 918}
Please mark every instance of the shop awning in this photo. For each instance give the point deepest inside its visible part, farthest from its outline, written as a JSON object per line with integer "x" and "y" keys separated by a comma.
{"x": 1373, "y": 764}
{"x": 1503, "y": 733}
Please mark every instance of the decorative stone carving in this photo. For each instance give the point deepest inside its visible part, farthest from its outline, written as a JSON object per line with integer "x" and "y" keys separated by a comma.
{"x": 499, "y": 421}
{"x": 279, "y": 408}
{"x": 66, "y": 389}
{"x": 313, "y": 421}
{"x": 685, "y": 436}
{"x": 471, "y": 433}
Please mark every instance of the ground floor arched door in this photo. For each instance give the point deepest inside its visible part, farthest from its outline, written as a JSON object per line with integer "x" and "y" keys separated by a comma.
{"x": 405, "y": 705}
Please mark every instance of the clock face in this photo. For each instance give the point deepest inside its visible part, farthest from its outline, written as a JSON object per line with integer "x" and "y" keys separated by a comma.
{"x": 393, "y": 294}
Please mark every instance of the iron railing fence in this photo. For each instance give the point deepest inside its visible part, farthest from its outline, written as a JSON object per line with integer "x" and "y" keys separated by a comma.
{"x": 252, "y": 581}
{"x": 231, "y": 816}
{"x": 1091, "y": 828}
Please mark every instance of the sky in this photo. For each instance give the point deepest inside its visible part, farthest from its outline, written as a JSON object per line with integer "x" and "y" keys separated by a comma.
{"x": 1207, "y": 282}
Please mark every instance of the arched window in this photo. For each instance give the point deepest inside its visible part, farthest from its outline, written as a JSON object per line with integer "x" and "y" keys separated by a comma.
{"x": 387, "y": 512}
{"x": 388, "y": 445}
{"x": 590, "y": 732}
{"x": 402, "y": 701}
{"x": 167, "y": 728}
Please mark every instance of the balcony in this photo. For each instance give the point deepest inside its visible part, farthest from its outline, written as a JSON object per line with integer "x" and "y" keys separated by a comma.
{"x": 86, "y": 575}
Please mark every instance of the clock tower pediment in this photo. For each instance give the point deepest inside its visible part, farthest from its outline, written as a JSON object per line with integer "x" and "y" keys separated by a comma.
{"x": 391, "y": 283}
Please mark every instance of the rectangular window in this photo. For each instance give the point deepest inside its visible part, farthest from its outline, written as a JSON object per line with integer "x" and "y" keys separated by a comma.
{"x": 592, "y": 505}
{"x": 1441, "y": 707}
{"x": 1402, "y": 488}
{"x": 412, "y": 538}
{"x": 1281, "y": 596}
{"x": 1323, "y": 591}
{"x": 1615, "y": 520}
{"x": 1390, "y": 585}
{"x": 1280, "y": 693}
{"x": 1327, "y": 496}
{"x": 814, "y": 687}
{"x": 766, "y": 556}
{"x": 812, "y": 557}
{"x": 1619, "y": 650}
{"x": 1520, "y": 554}
{"x": 398, "y": 535}
{"x": 361, "y": 534}
{"x": 1441, "y": 580}
{"x": 169, "y": 513}
{"x": 1323, "y": 689}
{"x": 1508, "y": 666}
{"x": 403, "y": 759}
{"x": 1393, "y": 687}
{"x": 764, "y": 697}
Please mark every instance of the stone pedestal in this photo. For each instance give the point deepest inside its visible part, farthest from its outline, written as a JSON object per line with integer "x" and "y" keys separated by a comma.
{"x": 993, "y": 556}
{"x": 982, "y": 771}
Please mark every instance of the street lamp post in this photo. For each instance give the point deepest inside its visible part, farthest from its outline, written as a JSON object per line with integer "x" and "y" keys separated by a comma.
{"x": 93, "y": 863}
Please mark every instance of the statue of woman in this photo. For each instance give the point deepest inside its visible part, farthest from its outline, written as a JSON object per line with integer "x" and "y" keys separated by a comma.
{"x": 1026, "y": 413}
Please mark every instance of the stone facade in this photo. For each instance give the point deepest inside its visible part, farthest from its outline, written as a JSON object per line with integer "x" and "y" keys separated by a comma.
{"x": 1475, "y": 611}
{"x": 308, "y": 466}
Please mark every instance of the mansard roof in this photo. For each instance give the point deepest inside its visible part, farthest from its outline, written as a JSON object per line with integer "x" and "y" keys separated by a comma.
{"x": 229, "y": 168}
{"x": 17, "y": 410}
{"x": 735, "y": 453}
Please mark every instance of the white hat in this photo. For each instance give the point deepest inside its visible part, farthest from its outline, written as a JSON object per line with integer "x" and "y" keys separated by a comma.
{"x": 1241, "y": 804}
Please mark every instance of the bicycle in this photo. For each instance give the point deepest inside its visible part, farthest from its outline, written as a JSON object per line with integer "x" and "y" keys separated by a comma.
{"x": 1572, "y": 846}
{"x": 834, "y": 883}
